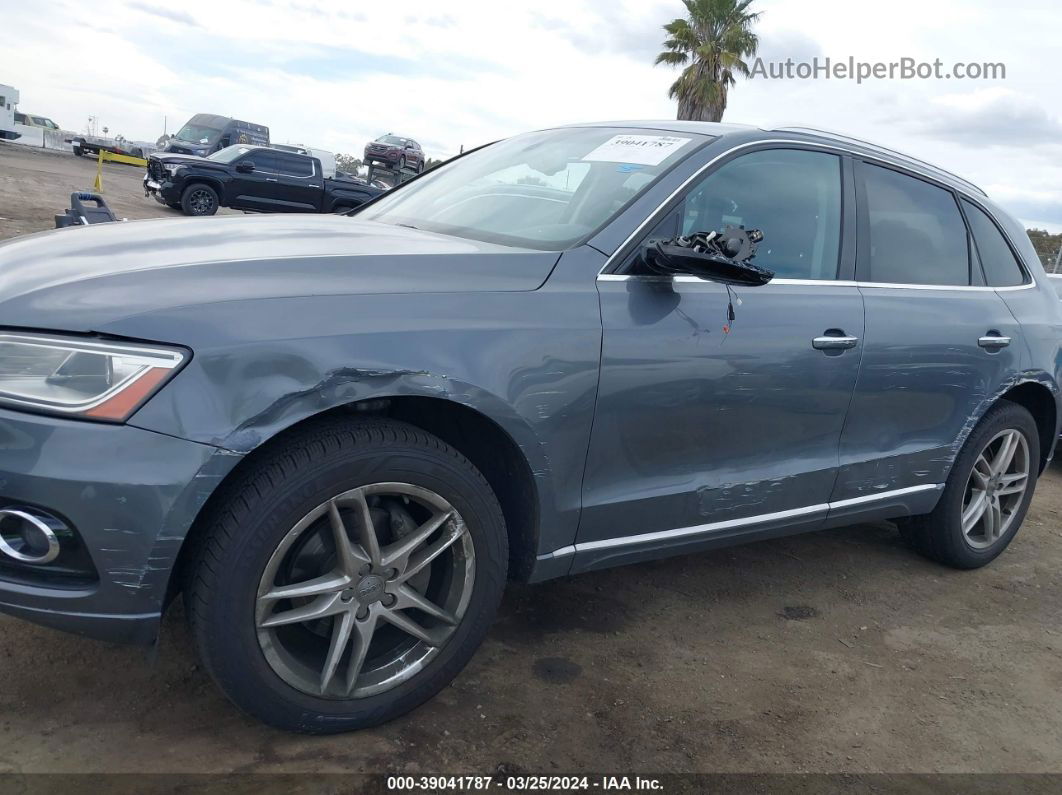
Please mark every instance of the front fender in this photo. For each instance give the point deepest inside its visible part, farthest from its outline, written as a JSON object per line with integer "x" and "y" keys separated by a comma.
{"x": 527, "y": 360}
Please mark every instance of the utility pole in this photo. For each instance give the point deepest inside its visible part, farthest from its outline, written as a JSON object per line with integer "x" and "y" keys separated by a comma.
{"x": 1058, "y": 258}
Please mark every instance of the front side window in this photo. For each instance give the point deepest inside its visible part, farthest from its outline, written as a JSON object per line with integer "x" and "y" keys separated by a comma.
{"x": 917, "y": 235}
{"x": 793, "y": 196}
{"x": 544, "y": 190}
{"x": 1000, "y": 266}
{"x": 263, "y": 160}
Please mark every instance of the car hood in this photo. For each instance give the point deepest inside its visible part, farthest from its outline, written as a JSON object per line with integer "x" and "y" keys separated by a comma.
{"x": 86, "y": 278}
{"x": 174, "y": 157}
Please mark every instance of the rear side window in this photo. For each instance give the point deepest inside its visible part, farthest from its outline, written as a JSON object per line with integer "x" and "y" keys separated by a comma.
{"x": 294, "y": 165}
{"x": 1000, "y": 266}
{"x": 917, "y": 235}
{"x": 791, "y": 195}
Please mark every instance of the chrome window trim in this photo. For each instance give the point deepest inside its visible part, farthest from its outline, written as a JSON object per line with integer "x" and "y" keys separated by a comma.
{"x": 711, "y": 528}
{"x": 622, "y": 277}
{"x": 973, "y": 198}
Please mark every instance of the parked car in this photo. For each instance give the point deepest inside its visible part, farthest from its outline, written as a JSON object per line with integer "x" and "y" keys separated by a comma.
{"x": 31, "y": 120}
{"x": 252, "y": 178}
{"x": 206, "y": 133}
{"x": 394, "y": 151}
{"x": 338, "y": 437}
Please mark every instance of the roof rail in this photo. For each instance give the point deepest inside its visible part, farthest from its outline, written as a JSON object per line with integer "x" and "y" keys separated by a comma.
{"x": 871, "y": 145}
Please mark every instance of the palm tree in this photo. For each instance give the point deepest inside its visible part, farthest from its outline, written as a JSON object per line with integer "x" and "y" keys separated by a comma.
{"x": 712, "y": 44}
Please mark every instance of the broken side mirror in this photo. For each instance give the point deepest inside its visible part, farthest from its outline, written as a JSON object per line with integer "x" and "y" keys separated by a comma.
{"x": 719, "y": 257}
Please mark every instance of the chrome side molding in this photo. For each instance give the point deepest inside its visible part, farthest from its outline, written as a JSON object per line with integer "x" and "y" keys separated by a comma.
{"x": 711, "y": 528}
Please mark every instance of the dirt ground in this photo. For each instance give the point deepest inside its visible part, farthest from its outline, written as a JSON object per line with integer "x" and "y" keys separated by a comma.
{"x": 35, "y": 185}
{"x": 837, "y": 651}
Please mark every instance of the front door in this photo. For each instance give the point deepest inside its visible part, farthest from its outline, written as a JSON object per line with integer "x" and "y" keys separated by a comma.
{"x": 703, "y": 432}
{"x": 255, "y": 189}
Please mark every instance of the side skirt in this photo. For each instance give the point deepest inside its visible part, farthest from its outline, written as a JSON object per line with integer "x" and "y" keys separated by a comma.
{"x": 591, "y": 555}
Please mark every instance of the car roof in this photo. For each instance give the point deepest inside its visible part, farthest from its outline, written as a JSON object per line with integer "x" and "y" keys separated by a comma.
{"x": 749, "y": 133}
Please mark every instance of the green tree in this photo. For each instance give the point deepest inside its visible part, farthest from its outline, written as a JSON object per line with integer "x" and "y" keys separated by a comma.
{"x": 712, "y": 44}
{"x": 1047, "y": 246}
{"x": 348, "y": 163}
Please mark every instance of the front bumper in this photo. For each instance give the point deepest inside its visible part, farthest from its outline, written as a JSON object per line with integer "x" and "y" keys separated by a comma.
{"x": 383, "y": 157}
{"x": 164, "y": 190}
{"x": 130, "y": 494}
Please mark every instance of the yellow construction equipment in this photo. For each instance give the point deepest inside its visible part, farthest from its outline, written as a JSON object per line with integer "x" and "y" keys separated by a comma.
{"x": 129, "y": 160}
{"x": 98, "y": 184}
{"x": 111, "y": 157}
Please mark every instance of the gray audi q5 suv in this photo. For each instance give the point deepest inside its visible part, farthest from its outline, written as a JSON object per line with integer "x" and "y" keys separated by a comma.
{"x": 338, "y": 437}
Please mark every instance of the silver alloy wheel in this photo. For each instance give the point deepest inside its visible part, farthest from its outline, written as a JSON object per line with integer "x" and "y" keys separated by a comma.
{"x": 341, "y": 617}
{"x": 995, "y": 489}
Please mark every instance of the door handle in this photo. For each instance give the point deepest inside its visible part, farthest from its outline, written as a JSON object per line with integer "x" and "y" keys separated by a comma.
{"x": 993, "y": 340}
{"x": 834, "y": 340}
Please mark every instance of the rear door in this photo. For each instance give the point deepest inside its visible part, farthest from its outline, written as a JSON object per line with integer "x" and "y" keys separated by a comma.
{"x": 300, "y": 185}
{"x": 939, "y": 346}
{"x": 708, "y": 427}
{"x": 255, "y": 189}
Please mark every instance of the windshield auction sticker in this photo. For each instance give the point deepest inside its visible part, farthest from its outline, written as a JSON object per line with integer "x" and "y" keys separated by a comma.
{"x": 646, "y": 150}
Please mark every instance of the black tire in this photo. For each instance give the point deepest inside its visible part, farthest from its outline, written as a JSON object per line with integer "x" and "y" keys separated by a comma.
{"x": 77, "y": 151}
{"x": 402, "y": 163}
{"x": 938, "y": 535}
{"x": 256, "y": 512}
{"x": 199, "y": 199}
{"x": 420, "y": 167}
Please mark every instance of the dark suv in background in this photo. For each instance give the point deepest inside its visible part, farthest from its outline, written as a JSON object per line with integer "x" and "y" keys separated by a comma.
{"x": 394, "y": 151}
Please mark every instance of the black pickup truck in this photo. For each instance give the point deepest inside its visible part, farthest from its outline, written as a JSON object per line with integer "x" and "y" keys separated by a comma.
{"x": 255, "y": 178}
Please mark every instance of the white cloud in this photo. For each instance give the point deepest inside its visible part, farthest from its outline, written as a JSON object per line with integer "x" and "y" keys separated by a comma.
{"x": 334, "y": 73}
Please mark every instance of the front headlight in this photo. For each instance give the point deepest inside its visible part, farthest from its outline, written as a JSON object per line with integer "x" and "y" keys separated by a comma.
{"x": 172, "y": 168}
{"x": 81, "y": 378}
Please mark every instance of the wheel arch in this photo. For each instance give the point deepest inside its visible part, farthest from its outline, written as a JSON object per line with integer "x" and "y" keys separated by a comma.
{"x": 1039, "y": 400}
{"x": 211, "y": 182}
{"x": 481, "y": 439}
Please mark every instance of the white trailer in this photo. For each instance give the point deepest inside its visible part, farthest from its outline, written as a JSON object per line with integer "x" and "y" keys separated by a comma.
{"x": 8, "y": 100}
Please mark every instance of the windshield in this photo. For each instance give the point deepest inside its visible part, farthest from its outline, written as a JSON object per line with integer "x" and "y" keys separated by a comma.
{"x": 544, "y": 190}
{"x": 197, "y": 134}
{"x": 391, "y": 139}
{"x": 229, "y": 153}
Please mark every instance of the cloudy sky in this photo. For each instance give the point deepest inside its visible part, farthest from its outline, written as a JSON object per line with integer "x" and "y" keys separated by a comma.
{"x": 334, "y": 74}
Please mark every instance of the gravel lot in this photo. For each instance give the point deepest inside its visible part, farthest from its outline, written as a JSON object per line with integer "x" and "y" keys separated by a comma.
{"x": 838, "y": 651}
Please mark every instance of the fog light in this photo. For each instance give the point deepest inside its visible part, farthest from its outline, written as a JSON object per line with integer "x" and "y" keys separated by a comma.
{"x": 28, "y": 537}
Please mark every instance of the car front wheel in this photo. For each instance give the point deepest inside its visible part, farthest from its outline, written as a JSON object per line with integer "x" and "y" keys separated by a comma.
{"x": 987, "y": 493}
{"x": 199, "y": 199}
{"x": 348, "y": 576}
